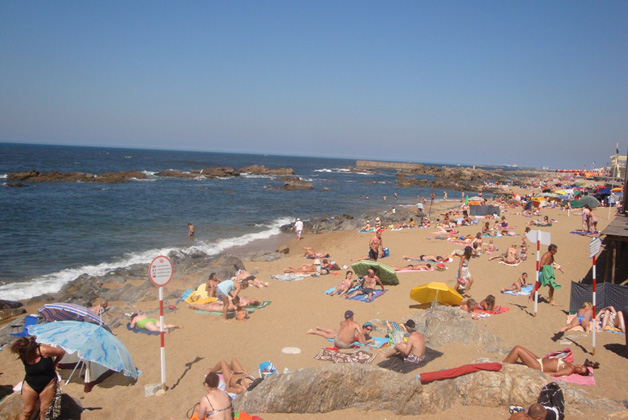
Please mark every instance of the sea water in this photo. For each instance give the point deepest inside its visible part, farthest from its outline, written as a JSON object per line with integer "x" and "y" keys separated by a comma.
{"x": 53, "y": 232}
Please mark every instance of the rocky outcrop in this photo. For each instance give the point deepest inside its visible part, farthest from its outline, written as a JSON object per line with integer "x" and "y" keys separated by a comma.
{"x": 55, "y": 176}
{"x": 11, "y": 408}
{"x": 10, "y": 313}
{"x": 364, "y": 387}
{"x": 262, "y": 170}
{"x": 297, "y": 185}
{"x": 327, "y": 224}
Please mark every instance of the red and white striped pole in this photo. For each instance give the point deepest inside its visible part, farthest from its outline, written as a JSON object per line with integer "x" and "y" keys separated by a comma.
{"x": 594, "y": 303}
{"x": 160, "y": 273}
{"x": 538, "y": 272}
{"x": 161, "y": 335}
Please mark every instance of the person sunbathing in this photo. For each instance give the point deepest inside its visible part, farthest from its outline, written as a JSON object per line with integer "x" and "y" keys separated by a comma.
{"x": 486, "y": 230}
{"x": 609, "y": 318}
{"x": 545, "y": 222}
{"x": 369, "y": 282}
{"x": 491, "y": 247}
{"x": 344, "y": 337}
{"x": 345, "y": 286}
{"x": 510, "y": 257}
{"x": 551, "y": 366}
{"x": 312, "y": 255}
{"x": 233, "y": 304}
{"x": 140, "y": 321}
{"x": 99, "y": 306}
{"x": 469, "y": 305}
{"x": 487, "y": 304}
{"x": 582, "y": 319}
{"x": 305, "y": 268}
{"x": 251, "y": 279}
{"x": 413, "y": 267}
{"x": 517, "y": 285}
{"x": 426, "y": 258}
{"x": 236, "y": 379}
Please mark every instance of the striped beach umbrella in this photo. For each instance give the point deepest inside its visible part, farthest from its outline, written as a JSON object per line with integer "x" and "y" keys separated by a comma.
{"x": 70, "y": 312}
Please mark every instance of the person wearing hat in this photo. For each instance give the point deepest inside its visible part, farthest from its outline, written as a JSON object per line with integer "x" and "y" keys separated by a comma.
{"x": 298, "y": 227}
{"x": 349, "y": 332}
{"x": 413, "y": 350}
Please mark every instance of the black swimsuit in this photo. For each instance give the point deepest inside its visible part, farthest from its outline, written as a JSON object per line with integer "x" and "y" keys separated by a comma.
{"x": 40, "y": 374}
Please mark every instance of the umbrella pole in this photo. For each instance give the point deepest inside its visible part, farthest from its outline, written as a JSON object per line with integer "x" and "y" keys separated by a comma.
{"x": 80, "y": 362}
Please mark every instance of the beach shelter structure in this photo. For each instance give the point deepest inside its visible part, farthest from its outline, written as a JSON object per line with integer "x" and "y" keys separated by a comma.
{"x": 386, "y": 274}
{"x": 70, "y": 312}
{"x": 90, "y": 343}
{"x": 436, "y": 292}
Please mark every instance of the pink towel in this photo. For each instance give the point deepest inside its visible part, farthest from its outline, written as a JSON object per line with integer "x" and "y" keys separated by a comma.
{"x": 574, "y": 378}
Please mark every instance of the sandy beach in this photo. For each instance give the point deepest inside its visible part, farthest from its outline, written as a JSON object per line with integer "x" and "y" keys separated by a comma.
{"x": 298, "y": 306}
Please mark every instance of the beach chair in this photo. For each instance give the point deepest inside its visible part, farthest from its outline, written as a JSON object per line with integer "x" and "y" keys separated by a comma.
{"x": 28, "y": 321}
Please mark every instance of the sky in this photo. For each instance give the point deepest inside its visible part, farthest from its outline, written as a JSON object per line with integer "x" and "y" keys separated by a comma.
{"x": 532, "y": 83}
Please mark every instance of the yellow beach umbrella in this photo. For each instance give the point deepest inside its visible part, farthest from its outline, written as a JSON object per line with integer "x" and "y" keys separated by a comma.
{"x": 436, "y": 292}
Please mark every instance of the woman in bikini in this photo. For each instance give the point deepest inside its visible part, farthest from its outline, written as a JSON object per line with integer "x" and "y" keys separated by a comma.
{"x": 40, "y": 382}
{"x": 551, "y": 366}
{"x": 216, "y": 405}
{"x": 236, "y": 379}
{"x": 487, "y": 304}
{"x": 346, "y": 284}
{"x": 582, "y": 319}
{"x": 518, "y": 284}
{"x": 609, "y": 318}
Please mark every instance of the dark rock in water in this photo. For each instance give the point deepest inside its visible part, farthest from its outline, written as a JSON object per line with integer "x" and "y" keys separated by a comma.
{"x": 176, "y": 174}
{"x": 222, "y": 172}
{"x": 262, "y": 170}
{"x": 292, "y": 185}
{"x": 16, "y": 184}
{"x": 10, "y": 313}
{"x": 11, "y": 408}
{"x": 283, "y": 250}
{"x": 55, "y": 176}
{"x": 10, "y": 304}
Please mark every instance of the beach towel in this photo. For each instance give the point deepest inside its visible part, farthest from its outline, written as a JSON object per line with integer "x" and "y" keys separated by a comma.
{"x": 331, "y": 289}
{"x": 379, "y": 342}
{"x": 428, "y": 377}
{"x": 581, "y": 233}
{"x": 288, "y": 277}
{"x": 496, "y": 311}
{"x": 397, "y": 364}
{"x": 510, "y": 264}
{"x": 548, "y": 277}
{"x": 367, "y": 231}
{"x": 199, "y": 296}
{"x": 141, "y": 330}
{"x": 574, "y": 378}
{"x": 525, "y": 291}
{"x": 393, "y": 326}
{"x": 360, "y": 356}
{"x": 365, "y": 298}
{"x": 250, "y": 308}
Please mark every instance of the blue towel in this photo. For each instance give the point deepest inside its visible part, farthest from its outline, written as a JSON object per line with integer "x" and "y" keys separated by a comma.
{"x": 525, "y": 291}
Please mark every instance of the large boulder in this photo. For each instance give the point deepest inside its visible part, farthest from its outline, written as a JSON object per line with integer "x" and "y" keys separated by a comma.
{"x": 262, "y": 170}
{"x": 56, "y": 176}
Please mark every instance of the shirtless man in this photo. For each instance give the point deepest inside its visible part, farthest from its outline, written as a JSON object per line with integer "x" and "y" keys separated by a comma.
{"x": 413, "y": 350}
{"x": 413, "y": 267}
{"x": 368, "y": 286}
{"x": 190, "y": 230}
{"x": 376, "y": 246}
{"x": 547, "y": 276}
{"x": 349, "y": 332}
{"x": 426, "y": 258}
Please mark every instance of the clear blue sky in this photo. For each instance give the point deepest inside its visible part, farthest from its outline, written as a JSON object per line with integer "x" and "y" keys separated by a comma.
{"x": 488, "y": 82}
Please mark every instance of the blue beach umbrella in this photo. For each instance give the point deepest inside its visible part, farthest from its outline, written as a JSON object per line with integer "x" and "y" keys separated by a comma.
{"x": 90, "y": 342}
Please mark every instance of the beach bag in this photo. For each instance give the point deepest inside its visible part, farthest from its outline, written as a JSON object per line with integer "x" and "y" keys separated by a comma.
{"x": 267, "y": 369}
{"x": 194, "y": 416}
{"x": 241, "y": 315}
{"x": 552, "y": 398}
{"x": 55, "y": 407}
{"x": 386, "y": 252}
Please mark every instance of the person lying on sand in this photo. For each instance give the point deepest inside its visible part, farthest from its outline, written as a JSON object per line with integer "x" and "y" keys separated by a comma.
{"x": 413, "y": 267}
{"x": 251, "y": 279}
{"x": 518, "y": 284}
{"x": 550, "y": 366}
{"x": 236, "y": 379}
{"x": 610, "y": 318}
{"x": 582, "y": 319}
{"x": 369, "y": 282}
{"x": 99, "y": 306}
{"x": 426, "y": 258}
{"x": 140, "y": 321}
{"x": 305, "y": 268}
{"x": 349, "y": 332}
{"x": 344, "y": 287}
{"x": 413, "y": 350}
{"x": 312, "y": 255}
{"x": 469, "y": 306}
{"x": 487, "y": 304}
{"x": 545, "y": 222}
{"x": 218, "y": 305}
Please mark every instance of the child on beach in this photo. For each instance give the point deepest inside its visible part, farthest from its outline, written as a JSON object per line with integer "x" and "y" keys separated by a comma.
{"x": 491, "y": 247}
{"x": 518, "y": 284}
{"x": 487, "y": 304}
{"x": 345, "y": 286}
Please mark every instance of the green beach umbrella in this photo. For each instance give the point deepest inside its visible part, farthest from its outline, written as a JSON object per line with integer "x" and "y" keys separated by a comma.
{"x": 386, "y": 274}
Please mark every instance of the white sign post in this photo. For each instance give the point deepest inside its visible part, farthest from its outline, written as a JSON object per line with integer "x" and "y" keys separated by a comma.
{"x": 594, "y": 248}
{"x": 160, "y": 273}
{"x": 540, "y": 238}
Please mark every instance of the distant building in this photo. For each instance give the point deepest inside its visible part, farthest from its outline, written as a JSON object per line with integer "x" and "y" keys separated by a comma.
{"x": 617, "y": 167}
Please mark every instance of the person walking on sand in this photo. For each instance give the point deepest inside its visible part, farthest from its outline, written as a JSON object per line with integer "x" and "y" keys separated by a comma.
{"x": 413, "y": 350}
{"x": 298, "y": 227}
{"x": 376, "y": 246}
{"x": 547, "y": 277}
{"x": 190, "y": 230}
{"x": 464, "y": 280}
{"x": 349, "y": 332}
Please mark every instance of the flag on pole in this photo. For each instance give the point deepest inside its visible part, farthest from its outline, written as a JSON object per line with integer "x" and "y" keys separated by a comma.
{"x": 617, "y": 149}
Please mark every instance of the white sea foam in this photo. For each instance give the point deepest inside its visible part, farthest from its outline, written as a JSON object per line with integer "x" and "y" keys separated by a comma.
{"x": 3, "y": 176}
{"x": 52, "y": 283}
{"x": 333, "y": 170}
{"x": 249, "y": 175}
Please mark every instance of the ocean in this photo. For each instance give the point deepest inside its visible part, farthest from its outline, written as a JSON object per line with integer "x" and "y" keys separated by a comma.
{"x": 53, "y": 232}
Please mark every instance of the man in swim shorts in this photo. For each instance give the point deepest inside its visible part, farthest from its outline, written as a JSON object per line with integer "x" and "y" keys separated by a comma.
{"x": 349, "y": 332}
{"x": 413, "y": 350}
{"x": 375, "y": 246}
